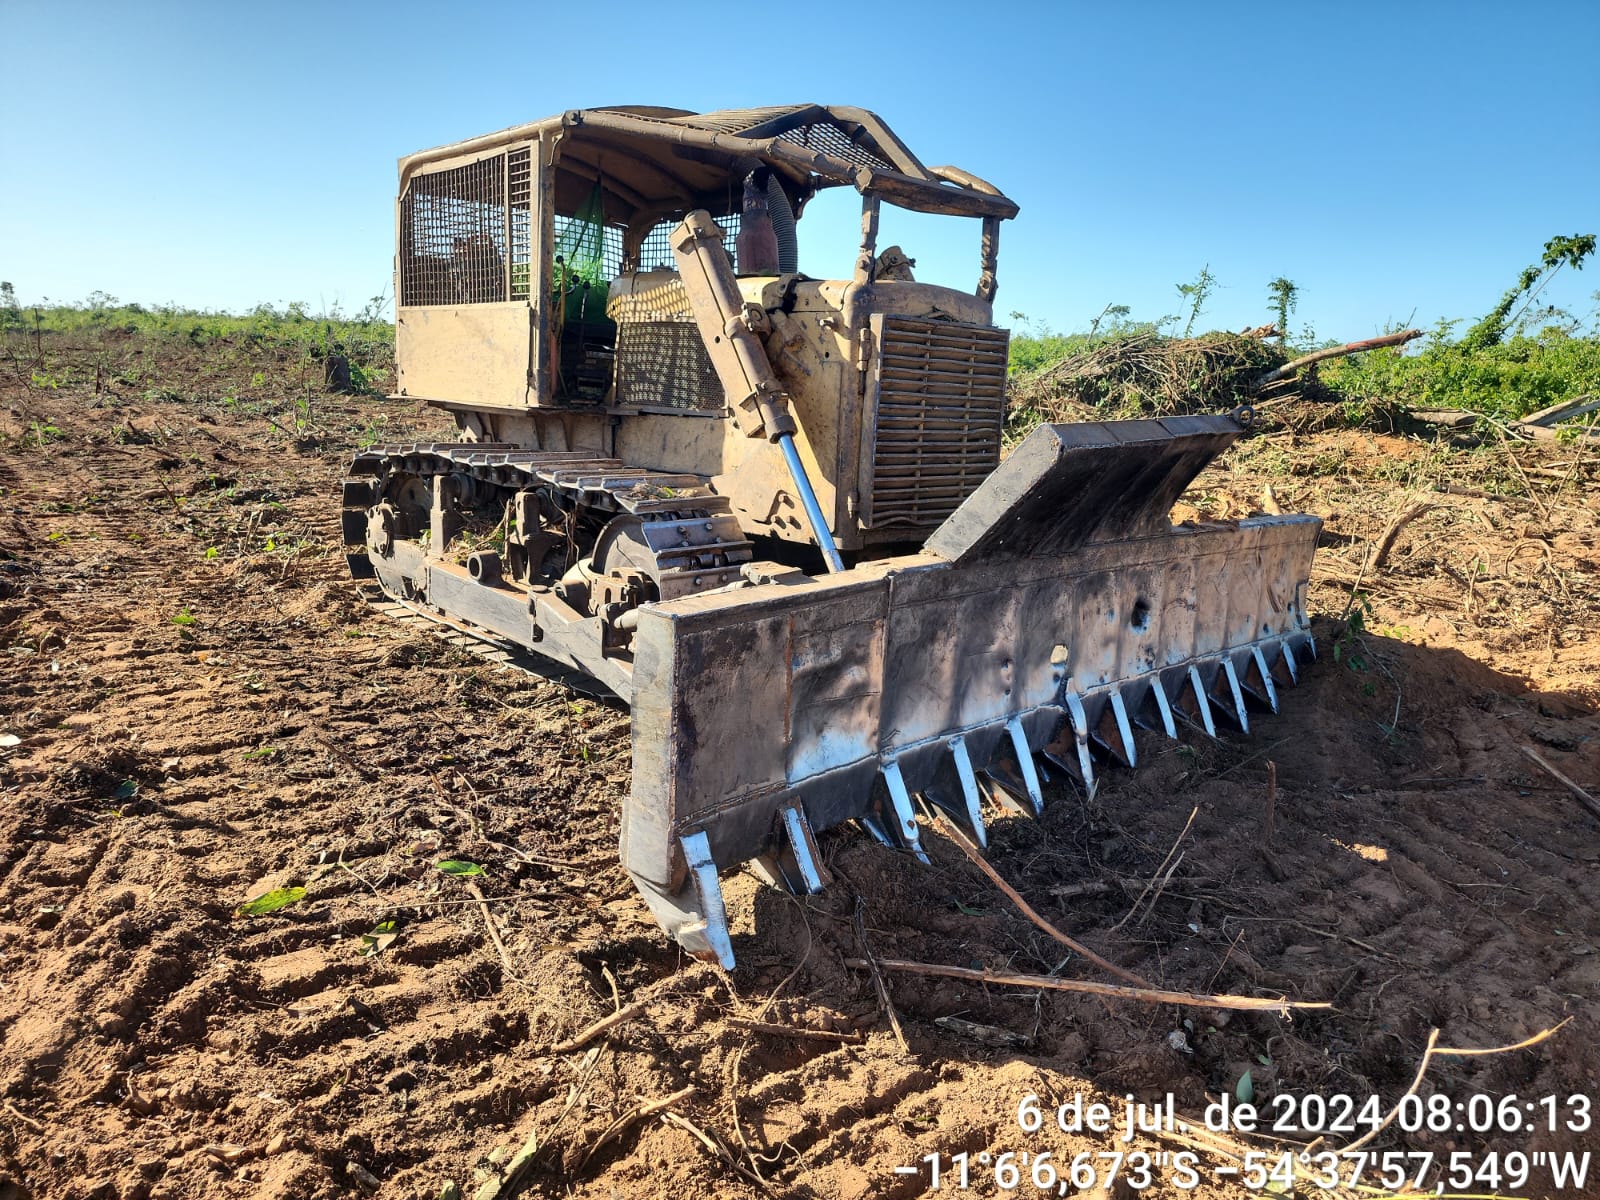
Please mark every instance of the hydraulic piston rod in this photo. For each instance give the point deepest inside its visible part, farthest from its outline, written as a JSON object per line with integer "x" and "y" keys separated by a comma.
{"x": 808, "y": 498}
{"x": 732, "y": 330}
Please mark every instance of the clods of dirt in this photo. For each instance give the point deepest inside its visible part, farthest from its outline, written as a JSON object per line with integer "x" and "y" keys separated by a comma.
{"x": 205, "y": 714}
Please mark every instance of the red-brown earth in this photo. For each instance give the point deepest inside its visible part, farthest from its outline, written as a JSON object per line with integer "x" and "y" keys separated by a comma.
{"x": 198, "y": 707}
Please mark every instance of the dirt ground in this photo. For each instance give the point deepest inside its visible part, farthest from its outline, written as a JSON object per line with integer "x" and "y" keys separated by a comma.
{"x": 197, "y": 707}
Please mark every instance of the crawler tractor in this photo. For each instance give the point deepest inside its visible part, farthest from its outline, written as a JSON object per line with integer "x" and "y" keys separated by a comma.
{"x": 771, "y": 512}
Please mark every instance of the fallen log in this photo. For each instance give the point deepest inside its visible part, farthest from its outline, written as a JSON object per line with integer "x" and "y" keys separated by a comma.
{"x": 1545, "y": 433}
{"x": 1316, "y": 356}
{"x": 1578, "y": 406}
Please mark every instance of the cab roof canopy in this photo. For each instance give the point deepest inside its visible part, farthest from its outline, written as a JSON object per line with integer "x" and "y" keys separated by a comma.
{"x": 648, "y": 161}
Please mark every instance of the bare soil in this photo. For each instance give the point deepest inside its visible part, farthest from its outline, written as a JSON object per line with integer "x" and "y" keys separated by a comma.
{"x": 205, "y": 710}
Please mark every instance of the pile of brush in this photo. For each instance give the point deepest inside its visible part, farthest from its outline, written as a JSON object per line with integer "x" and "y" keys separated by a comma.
{"x": 1145, "y": 374}
{"x": 1140, "y": 373}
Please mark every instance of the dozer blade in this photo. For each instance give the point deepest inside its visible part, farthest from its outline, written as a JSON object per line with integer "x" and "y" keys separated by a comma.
{"x": 1051, "y": 613}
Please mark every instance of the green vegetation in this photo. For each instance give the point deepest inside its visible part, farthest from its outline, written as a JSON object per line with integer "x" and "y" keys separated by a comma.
{"x": 270, "y": 902}
{"x": 1558, "y": 252}
{"x": 1518, "y": 358}
{"x": 1284, "y": 296}
{"x": 1195, "y": 296}
{"x": 1507, "y": 379}
{"x": 293, "y": 324}
{"x": 292, "y": 334}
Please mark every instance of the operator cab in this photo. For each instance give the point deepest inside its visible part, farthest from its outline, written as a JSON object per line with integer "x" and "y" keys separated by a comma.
{"x": 579, "y": 209}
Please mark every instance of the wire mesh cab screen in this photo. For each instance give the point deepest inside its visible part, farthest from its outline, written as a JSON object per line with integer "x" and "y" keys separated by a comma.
{"x": 655, "y": 254}
{"x": 661, "y": 361}
{"x": 465, "y": 233}
{"x": 466, "y": 237}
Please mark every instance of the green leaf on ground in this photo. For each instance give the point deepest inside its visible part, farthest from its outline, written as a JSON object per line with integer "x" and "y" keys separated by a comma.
{"x": 270, "y": 902}
{"x": 381, "y": 938}
{"x": 456, "y": 866}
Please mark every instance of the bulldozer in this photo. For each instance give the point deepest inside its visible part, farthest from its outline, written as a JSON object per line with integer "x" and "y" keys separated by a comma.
{"x": 771, "y": 512}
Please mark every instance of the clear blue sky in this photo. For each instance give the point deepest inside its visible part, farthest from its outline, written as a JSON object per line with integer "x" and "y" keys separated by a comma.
{"x": 1389, "y": 158}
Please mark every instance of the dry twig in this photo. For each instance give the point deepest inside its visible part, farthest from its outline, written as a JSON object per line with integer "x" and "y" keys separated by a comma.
{"x": 1088, "y": 887}
{"x": 1161, "y": 887}
{"x": 23, "y": 1117}
{"x": 966, "y": 847}
{"x": 1267, "y": 823}
{"x": 1431, "y": 1051}
{"x": 1386, "y": 543}
{"x": 1272, "y": 804}
{"x": 1113, "y": 990}
{"x": 1581, "y": 796}
{"x": 494, "y": 934}
{"x": 795, "y": 1031}
{"x": 637, "y": 1114}
{"x": 869, "y": 960}
{"x": 579, "y": 1040}
{"x": 1187, "y": 825}
{"x": 1505, "y": 444}
{"x": 717, "y": 1149}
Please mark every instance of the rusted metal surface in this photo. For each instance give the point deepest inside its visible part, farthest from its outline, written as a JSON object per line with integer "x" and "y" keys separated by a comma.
{"x": 1092, "y": 482}
{"x": 732, "y": 331}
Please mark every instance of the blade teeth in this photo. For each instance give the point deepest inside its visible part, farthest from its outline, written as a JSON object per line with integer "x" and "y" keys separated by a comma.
{"x": 1026, "y": 765}
{"x": 969, "y": 792}
{"x": 1229, "y": 696}
{"x": 1266, "y": 668}
{"x": 1264, "y": 674}
{"x": 1197, "y": 689}
{"x": 1080, "y": 734}
{"x": 1285, "y": 670}
{"x": 1119, "y": 712}
{"x": 963, "y": 802}
{"x": 1239, "y": 711}
{"x": 1007, "y": 790}
{"x": 714, "y": 923}
{"x": 803, "y": 843}
{"x": 1164, "y": 707}
{"x": 874, "y": 827}
{"x": 904, "y": 834}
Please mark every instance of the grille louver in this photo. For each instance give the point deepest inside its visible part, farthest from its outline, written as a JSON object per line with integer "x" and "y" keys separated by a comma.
{"x": 941, "y": 389}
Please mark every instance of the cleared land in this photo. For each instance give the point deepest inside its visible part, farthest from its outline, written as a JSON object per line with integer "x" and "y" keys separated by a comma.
{"x": 205, "y": 710}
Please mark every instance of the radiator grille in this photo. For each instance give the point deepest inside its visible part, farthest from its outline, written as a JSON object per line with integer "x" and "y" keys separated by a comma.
{"x": 941, "y": 403}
